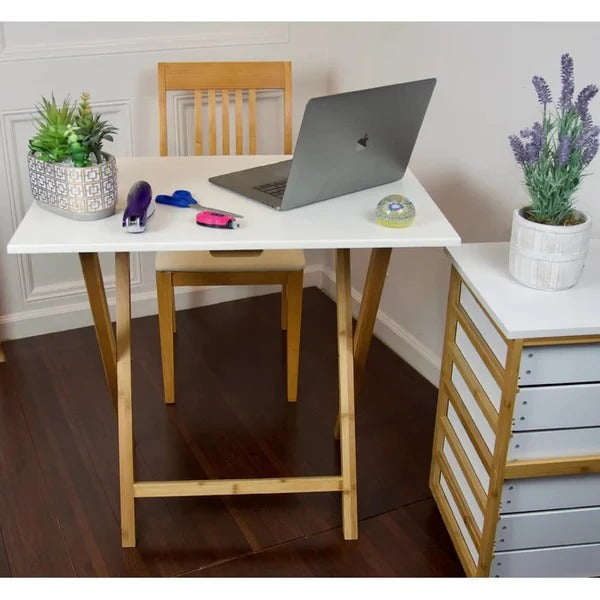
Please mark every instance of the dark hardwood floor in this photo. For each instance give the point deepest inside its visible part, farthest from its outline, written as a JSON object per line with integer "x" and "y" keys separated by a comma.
{"x": 59, "y": 505}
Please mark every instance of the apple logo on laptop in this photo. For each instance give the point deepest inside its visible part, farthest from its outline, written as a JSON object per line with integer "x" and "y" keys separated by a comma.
{"x": 362, "y": 143}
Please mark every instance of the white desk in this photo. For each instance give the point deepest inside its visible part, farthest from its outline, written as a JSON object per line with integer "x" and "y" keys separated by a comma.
{"x": 341, "y": 224}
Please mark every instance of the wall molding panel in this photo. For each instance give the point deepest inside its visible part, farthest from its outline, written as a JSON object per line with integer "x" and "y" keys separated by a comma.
{"x": 218, "y": 35}
{"x": 15, "y": 150}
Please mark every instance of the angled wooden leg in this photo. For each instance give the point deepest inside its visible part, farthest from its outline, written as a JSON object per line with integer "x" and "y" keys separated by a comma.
{"x": 164, "y": 290}
{"x": 124, "y": 405}
{"x": 378, "y": 265}
{"x": 294, "y": 323}
{"x": 174, "y": 309}
{"x": 284, "y": 306}
{"x": 92, "y": 275}
{"x": 346, "y": 384}
{"x": 2, "y": 355}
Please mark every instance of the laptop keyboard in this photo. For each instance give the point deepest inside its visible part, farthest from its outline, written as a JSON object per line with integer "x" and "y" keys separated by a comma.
{"x": 275, "y": 188}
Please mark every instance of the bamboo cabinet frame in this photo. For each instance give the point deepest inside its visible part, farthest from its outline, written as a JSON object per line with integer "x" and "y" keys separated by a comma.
{"x": 500, "y": 421}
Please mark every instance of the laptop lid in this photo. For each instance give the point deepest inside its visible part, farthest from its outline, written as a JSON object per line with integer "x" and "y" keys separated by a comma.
{"x": 347, "y": 142}
{"x": 355, "y": 140}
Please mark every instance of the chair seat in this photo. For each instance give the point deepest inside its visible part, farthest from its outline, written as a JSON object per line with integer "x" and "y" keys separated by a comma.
{"x": 199, "y": 261}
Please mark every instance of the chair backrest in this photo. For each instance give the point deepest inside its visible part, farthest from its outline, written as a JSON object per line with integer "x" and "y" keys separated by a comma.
{"x": 225, "y": 78}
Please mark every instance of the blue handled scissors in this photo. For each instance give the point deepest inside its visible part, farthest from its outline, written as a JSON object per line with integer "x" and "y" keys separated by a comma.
{"x": 184, "y": 199}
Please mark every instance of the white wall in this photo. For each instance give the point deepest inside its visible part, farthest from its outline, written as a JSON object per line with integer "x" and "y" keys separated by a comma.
{"x": 116, "y": 63}
{"x": 462, "y": 157}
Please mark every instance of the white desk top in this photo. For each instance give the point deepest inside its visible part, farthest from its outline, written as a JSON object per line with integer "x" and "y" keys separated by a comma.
{"x": 522, "y": 312}
{"x": 344, "y": 222}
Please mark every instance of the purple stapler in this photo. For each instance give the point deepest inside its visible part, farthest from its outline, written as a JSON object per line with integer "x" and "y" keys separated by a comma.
{"x": 140, "y": 207}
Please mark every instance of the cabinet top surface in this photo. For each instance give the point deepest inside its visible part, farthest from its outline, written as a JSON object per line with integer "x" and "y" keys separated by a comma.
{"x": 521, "y": 312}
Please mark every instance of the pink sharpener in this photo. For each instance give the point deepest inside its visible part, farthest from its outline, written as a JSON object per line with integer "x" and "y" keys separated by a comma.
{"x": 209, "y": 218}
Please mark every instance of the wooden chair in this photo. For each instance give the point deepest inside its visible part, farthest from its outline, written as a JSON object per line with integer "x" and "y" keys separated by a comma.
{"x": 283, "y": 267}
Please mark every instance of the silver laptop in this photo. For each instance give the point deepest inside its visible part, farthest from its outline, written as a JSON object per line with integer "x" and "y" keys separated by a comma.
{"x": 347, "y": 142}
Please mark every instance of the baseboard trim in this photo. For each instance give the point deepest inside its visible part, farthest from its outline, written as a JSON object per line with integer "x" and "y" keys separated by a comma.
{"x": 393, "y": 335}
{"x": 75, "y": 315}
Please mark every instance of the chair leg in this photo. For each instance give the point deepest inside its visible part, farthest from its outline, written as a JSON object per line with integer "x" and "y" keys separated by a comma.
{"x": 294, "y": 322}
{"x": 284, "y": 306}
{"x": 164, "y": 289}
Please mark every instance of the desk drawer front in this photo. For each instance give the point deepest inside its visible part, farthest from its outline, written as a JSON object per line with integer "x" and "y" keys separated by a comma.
{"x": 557, "y": 407}
{"x": 554, "y": 443}
{"x": 567, "y": 363}
{"x": 562, "y": 561}
{"x": 547, "y": 493}
{"x": 549, "y": 528}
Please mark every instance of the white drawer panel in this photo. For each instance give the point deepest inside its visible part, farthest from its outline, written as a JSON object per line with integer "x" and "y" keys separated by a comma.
{"x": 483, "y": 324}
{"x": 459, "y": 520}
{"x": 478, "y": 367}
{"x": 557, "y": 407}
{"x": 548, "y": 528}
{"x": 564, "y": 561}
{"x": 546, "y": 493}
{"x": 465, "y": 442}
{"x": 471, "y": 405}
{"x": 463, "y": 485}
{"x": 554, "y": 443}
{"x": 568, "y": 363}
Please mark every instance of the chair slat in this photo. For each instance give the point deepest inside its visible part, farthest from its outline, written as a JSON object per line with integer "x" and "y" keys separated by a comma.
{"x": 252, "y": 121}
{"x": 239, "y": 136}
{"x": 212, "y": 122}
{"x": 287, "y": 109}
{"x": 198, "y": 121}
{"x": 225, "y": 120}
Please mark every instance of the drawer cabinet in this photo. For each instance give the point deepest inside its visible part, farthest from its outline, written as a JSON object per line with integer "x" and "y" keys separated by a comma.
{"x": 516, "y": 456}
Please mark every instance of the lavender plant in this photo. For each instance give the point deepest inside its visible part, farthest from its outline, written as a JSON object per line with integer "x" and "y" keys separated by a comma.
{"x": 555, "y": 153}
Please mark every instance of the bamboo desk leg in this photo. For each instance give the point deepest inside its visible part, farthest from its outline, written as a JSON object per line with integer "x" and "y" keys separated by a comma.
{"x": 378, "y": 265}
{"x": 124, "y": 404}
{"x": 346, "y": 383}
{"x": 92, "y": 274}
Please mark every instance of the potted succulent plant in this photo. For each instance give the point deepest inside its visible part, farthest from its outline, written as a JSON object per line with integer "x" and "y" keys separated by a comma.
{"x": 550, "y": 238}
{"x": 68, "y": 171}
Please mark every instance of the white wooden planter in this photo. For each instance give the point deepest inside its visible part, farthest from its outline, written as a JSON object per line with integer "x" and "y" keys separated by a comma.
{"x": 548, "y": 257}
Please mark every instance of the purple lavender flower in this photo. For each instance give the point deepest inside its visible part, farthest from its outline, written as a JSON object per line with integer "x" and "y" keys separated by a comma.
{"x": 568, "y": 83}
{"x": 590, "y": 151}
{"x": 582, "y": 102}
{"x": 534, "y": 148}
{"x": 543, "y": 91}
{"x": 518, "y": 149}
{"x": 538, "y": 129}
{"x": 565, "y": 146}
{"x": 584, "y": 138}
{"x": 587, "y": 143}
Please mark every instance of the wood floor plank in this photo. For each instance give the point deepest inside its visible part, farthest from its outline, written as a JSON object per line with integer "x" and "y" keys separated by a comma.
{"x": 169, "y": 541}
{"x": 230, "y": 419}
{"x": 31, "y": 535}
{"x": 4, "y": 565}
{"x": 409, "y": 541}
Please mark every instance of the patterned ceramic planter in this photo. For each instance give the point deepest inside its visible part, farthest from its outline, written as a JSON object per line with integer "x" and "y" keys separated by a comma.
{"x": 81, "y": 193}
{"x": 548, "y": 257}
